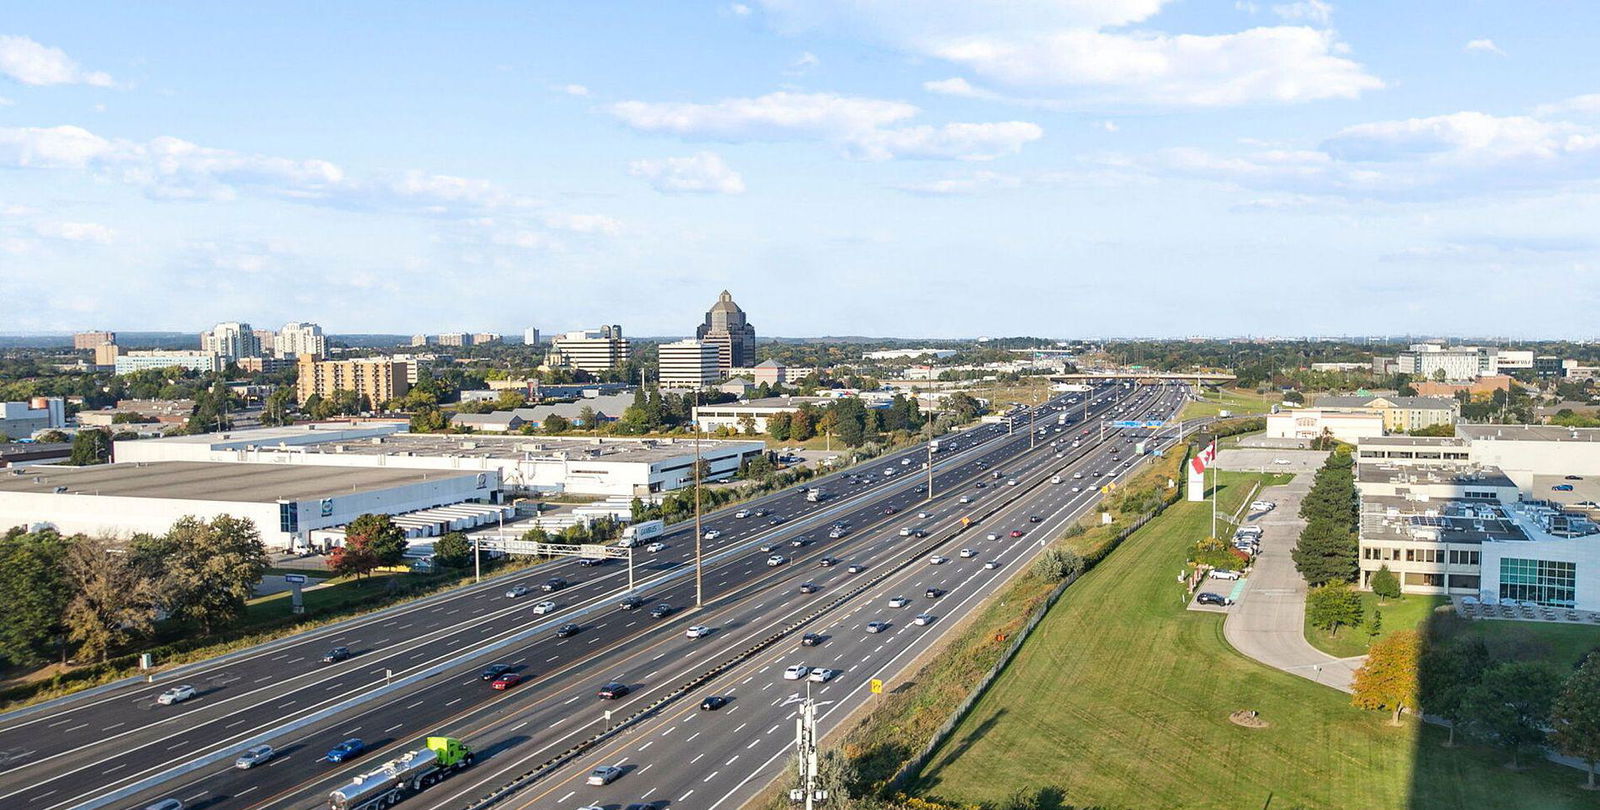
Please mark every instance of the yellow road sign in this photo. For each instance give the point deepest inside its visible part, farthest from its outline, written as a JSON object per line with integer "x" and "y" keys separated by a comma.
{"x": 876, "y": 686}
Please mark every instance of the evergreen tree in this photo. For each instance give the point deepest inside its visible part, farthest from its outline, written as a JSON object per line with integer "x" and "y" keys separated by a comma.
{"x": 1510, "y": 706}
{"x": 1385, "y": 584}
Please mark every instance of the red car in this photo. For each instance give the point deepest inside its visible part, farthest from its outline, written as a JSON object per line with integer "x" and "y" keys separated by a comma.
{"x": 507, "y": 681}
{"x": 1016, "y": 532}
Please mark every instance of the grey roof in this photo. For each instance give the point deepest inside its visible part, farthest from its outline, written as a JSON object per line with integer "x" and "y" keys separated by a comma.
{"x": 213, "y": 481}
{"x": 1529, "y": 433}
{"x": 501, "y": 418}
{"x": 608, "y": 407}
{"x": 1421, "y": 403}
{"x": 770, "y": 364}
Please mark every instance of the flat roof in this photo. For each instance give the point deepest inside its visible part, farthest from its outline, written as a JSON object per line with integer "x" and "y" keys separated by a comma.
{"x": 1428, "y": 474}
{"x": 1454, "y": 521}
{"x": 217, "y": 481}
{"x": 327, "y": 431}
{"x": 477, "y": 445}
{"x": 1411, "y": 441}
{"x": 1528, "y": 433}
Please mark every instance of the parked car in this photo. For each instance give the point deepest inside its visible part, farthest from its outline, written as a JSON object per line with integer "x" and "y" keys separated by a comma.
{"x": 253, "y": 756}
{"x": 335, "y": 654}
{"x": 1573, "y": 477}
{"x": 346, "y": 751}
{"x": 1208, "y": 598}
{"x": 176, "y": 694}
{"x": 1223, "y": 573}
{"x": 1562, "y": 488}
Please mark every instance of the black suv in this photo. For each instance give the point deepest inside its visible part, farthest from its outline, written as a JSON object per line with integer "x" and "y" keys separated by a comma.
{"x": 630, "y": 602}
{"x": 336, "y": 654}
{"x": 661, "y": 611}
{"x": 553, "y": 584}
{"x": 567, "y": 630}
{"x": 494, "y": 671}
{"x": 613, "y": 690}
{"x": 933, "y": 593}
{"x": 1208, "y": 598}
{"x": 810, "y": 640}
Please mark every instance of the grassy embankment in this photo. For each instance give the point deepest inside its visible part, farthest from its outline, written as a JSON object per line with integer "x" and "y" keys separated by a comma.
{"x": 1238, "y": 401}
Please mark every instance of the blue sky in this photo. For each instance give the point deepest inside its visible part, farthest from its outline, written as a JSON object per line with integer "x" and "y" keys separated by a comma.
{"x": 879, "y": 167}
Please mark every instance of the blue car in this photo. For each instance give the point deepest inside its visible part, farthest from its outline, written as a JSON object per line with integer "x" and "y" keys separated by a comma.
{"x": 347, "y": 750}
{"x": 1562, "y": 487}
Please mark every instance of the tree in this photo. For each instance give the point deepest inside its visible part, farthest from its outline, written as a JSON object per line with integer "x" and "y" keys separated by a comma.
{"x": 453, "y": 550}
{"x": 356, "y": 561}
{"x": 556, "y": 423}
{"x": 1326, "y": 552}
{"x": 1331, "y": 606}
{"x": 778, "y": 426}
{"x": 428, "y": 419}
{"x": 1388, "y": 680}
{"x": 53, "y": 437}
{"x": 1385, "y": 584}
{"x": 1057, "y": 564}
{"x": 111, "y": 602}
{"x": 1446, "y": 674}
{"x": 588, "y": 418}
{"x": 1374, "y": 624}
{"x": 33, "y": 576}
{"x": 1510, "y": 706}
{"x": 380, "y": 535}
{"x": 208, "y": 570}
{"x": 1575, "y": 715}
{"x": 90, "y": 447}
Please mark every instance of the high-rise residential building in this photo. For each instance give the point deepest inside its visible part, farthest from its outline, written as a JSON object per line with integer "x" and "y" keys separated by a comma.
{"x": 530, "y": 337}
{"x": 106, "y": 354}
{"x": 91, "y": 340}
{"x": 301, "y": 340}
{"x": 455, "y": 339}
{"x": 481, "y": 338}
{"x": 266, "y": 339}
{"x": 379, "y": 379}
{"x": 688, "y": 364}
{"x": 231, "y": 341}
{"x": 726, "y": 327}
{"x": 421, "y": 340}
{"x": 591, "y": 350}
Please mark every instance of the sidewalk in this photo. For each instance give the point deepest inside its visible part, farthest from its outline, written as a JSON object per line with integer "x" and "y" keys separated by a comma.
{"x": 1268, "y": 623}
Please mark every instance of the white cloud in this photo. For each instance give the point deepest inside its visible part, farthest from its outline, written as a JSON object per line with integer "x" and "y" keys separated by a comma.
{"x": 76, "y": 232}
{"x": 804, "y": 63}
{"x": 1483, "y": 46}
{"x": 575, "y": 90}
{"x": 31, "y": 63}
{"x": 739, "y": 9}
{"x": 861, "y": 127}
{"x": 700, "y": 173}
{"x": 6, "y": 102}
{"x": 1108, "y": 126}
{"x": 1582, "y": 105}
{"x": 1070, "y": 46}
{"x": 1315, "y": 11}
{"x": 974, "y": 183}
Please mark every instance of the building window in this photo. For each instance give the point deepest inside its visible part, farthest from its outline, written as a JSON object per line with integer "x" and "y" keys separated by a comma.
{"x": 288, "y": 518}
{"x": 1547, "y": 582}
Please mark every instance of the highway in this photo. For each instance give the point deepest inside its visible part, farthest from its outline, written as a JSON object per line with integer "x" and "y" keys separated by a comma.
{"x": 83, "y": 752}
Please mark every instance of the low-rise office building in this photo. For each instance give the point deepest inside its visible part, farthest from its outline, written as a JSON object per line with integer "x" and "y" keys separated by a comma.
{"x": 129, "y": 362}
{"x": 594, "y": 351}
{"x": 688, "y": 364}
{"x": 1400, "y": 414}
{"x": 1309, "y": 424}
{"x": 735, "y": 415}
{"x": 20, "y": 420}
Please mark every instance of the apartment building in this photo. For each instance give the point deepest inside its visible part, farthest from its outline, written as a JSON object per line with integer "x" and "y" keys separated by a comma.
{"x": 129, "y": 362}
{"x": 593, "y": 350}
{"x": 297, "y": 340}
{"x": 92, "y": 340}
{"x": 231, "y": 341}
{"x": 688, "y": 364}
{"x": 1400, "y": 414}
{"x": 379, "y": 379}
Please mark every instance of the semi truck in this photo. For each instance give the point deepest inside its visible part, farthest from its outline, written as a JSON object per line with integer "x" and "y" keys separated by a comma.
{"x": 641, "y": 532}
{"x": 816, "y": 495}
{"x": 403, "y": 776}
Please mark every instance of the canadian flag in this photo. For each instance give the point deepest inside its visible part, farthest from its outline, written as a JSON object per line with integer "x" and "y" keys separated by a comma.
{"x": 1202, "y": 460}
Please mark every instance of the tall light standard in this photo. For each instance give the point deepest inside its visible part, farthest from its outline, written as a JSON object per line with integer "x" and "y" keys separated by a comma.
{"x": 928, "y": 420}
{"x": 699, "y": 591}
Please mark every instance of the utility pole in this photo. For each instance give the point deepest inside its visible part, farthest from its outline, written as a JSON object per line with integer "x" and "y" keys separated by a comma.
{"x": 699, "y": 591}
{"x": 929, "y": 423}
{"x": 805, "y": 744}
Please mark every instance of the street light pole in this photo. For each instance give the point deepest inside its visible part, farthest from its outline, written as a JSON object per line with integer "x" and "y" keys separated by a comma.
{"x": 699, "y": 591}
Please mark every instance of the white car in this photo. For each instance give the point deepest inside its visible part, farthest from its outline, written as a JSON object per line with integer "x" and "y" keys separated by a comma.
{"x": 176, "y": 694}
{"x": 1055, "y": 479}
{"x": 905, "y": 531}
{"x": 1224, "y": 574}
{"x": 905, "y": 462}
{"x": 938, "y": 559}
{"x": 653, "y": 547}
{"x": 968, "y": 552}
{"x": 544, "y": 607}
{"x": 877, "y": 627}
{"x": 992, "y": 564}
{"x": 776, "y": 560}
{"x": 516, "y": 591}
{"x": 966, "y": 499}
{"x": 924, "y": 515}
{"x": 923, "y": 619}
{"x": 742, "y": 513}
{"x": 253, "y": 756}
{"x": 711, "y": 534}
{"x": 823, "y": 675}
{"x": 992, "y": 536}
{"x": 697, "y": 631}
{"x": 1077, "y": 489}
{"x": 1280, "y": 461}
{"x": 898, "y": 601}
{"x": 796, "y": 672}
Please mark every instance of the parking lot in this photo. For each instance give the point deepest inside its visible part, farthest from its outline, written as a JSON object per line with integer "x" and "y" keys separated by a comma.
{"x": 1241, "y": 459}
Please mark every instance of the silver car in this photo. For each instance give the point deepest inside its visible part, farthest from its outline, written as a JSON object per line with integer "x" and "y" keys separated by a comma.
{"x": 604, "y": 775}
{"x": 253, "y": 756}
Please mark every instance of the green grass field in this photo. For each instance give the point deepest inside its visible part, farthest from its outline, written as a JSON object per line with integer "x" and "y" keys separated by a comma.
{"x": 1406, "y": 613}
{"x": 1241, "y": 403}
{"x": 1121, "y": 699}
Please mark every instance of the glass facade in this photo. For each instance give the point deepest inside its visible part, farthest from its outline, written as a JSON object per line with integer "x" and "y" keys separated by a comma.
{"x": 1544, "y": 581}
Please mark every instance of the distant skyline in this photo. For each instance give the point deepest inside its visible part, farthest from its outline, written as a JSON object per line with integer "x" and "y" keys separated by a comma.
{"x": 945, "y": 168}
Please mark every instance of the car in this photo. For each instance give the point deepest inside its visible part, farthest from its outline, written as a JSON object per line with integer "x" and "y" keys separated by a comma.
{"x": 165, "y": 804}
{"x": 642, "y": 806}
{"x": 613, "y": 690}
{"x": 980, "y": 485}
{"x": 938, "y": 559}
{"x": 1035, "y": 519}
{"x": 661, "y": 611}
{"x": 1011, "y": 482}
{"x": 346, "y": 751}
{"x": 905, "y": 461}
{"x": 800, "y": 542}
{"x": 966, "y": 499}
{"x": 923, "y": 619}
{"x": 253, "y": 756}
{"x": 968, "y": 552}
{"x": 654, "y": 547}
{"x": 855, "y": 569}
{"x": 889, "y": 510}
{"x": 992, "y": 564}
{"x": 588, "y": 561}
{"x": 1016, "y": 532}
{"x": 992, "y": 536}
{"x": 604, "y": 775}
{"x": 836, "y": 533}
{"x": 933, "y": 593}
{"x": 176, "y": 694}
{"x": 1223, "y": 573}
{"x": 924, "y": 515}
{"x": 1077, "y": 489}
{"x": 516, "y": 591}
{"x": 1280, "y": 461}
{"x": 1208, "y": 598}
{"x": 506, "y": 681}
{"x": 543, "y": 608}
{"x": 335, "y": 654}
{"x": 553, "y": 584}
{"x": 776, "y": 519}
{"x": 769, "y": 545}
{"x": 919, "y": 534}
{"x": 796, "y": 671}
{"x": 1573, "y": 477}
{"x": 697, "y": 631}
{"x": 742, "y": 514}
{"x": 1587, "y": 505}
{"x": 877, "y": 627}
{"x": 630, "y": 602}
{"x": 776, "y": 560}
{"x": 809, "y": 587}
{"x": 493, "y": 671}
{"x": 905, "y": 531}
{"x": 822, "y": 675}
{"x": 810, "y": 639}
{"x": 898, "y": 601}
{"x": 567, "y": 630}
{"x": 711, "y": 534}
{"x": 713, "y": 703}
{"x": 1562, "y": 488}
{"x": 828, "y": 562}
{"x": 1077, "y": 475}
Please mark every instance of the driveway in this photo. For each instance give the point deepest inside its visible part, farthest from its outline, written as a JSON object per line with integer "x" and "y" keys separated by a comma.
{"x": 1268, "y": 623}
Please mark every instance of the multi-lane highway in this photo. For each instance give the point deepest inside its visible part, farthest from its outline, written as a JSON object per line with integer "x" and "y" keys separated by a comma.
{"x": 416, "y": 668}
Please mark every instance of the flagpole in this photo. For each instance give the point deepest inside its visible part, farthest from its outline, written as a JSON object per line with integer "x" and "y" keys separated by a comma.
{"x": 1211, "y": 462}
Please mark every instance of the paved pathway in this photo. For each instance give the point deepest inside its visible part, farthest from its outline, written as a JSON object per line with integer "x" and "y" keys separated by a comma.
{"x": 1268, "y": 623}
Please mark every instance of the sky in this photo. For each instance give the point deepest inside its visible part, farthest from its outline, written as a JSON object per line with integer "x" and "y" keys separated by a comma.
{"x": 927, "y": 168}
